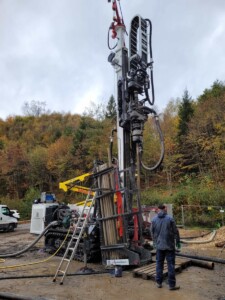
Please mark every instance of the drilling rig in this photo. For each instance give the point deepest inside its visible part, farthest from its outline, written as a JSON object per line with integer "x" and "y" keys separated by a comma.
{"x": 114, "y": 229}
{"x": 134, "y": 72}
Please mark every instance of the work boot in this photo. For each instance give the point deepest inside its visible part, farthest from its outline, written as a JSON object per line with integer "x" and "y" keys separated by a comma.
{"x": 159, "y": 285}
{"x": 173, "y": 288}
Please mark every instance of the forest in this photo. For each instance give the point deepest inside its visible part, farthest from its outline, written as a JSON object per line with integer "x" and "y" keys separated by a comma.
{"x": 40, "y": 148}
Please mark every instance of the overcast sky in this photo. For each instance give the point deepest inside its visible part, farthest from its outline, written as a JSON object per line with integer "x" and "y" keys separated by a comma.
{"x": 56, "y": 50}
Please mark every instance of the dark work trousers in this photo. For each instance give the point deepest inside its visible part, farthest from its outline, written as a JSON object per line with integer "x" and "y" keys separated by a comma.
{"x": 170, "y": 258}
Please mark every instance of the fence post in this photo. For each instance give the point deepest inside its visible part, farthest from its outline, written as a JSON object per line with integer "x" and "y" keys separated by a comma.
{"x": 222, "y": 212}
{"x": 182, "y": 212}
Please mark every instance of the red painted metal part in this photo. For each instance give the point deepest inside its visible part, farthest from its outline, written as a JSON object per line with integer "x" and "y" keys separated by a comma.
{"x": 117, "y": 20}
{"x": 119, "y": 201}
{"x": 136, "y": 227}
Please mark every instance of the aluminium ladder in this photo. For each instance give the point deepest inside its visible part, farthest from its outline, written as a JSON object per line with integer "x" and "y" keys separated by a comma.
{"x": 75, "y": 238}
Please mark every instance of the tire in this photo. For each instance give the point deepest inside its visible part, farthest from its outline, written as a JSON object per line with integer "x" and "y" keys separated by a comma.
{"x": 11, "y": 227}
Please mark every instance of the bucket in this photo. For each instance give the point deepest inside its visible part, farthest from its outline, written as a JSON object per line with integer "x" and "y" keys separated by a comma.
{"x": 118, "y": 271}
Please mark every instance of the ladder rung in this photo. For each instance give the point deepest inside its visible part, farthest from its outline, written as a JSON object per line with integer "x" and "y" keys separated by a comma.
{"x": 66, "y": 259}
{"x": 75, "y": 237}
{"x": 71, "y": 249}
{"x": 61, "y": 271}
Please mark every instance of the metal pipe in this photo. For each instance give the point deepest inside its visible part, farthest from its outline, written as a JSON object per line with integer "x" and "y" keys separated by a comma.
{"x": 207, "y": 258}
{"x": 51, "y": 275}
{"x": 203, "y": 264}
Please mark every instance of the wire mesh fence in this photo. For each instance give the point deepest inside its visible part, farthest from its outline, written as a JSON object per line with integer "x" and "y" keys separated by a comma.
{"x": 201, "y": 215}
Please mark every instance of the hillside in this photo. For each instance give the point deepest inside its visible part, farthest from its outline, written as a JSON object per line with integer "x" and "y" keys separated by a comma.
{"x": 39, "y": 151}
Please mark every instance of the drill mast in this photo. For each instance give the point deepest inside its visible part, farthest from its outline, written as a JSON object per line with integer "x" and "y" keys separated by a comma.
{"x": 134, "y": 69}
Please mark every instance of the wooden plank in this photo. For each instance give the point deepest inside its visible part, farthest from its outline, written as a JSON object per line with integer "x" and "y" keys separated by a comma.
{"x": 145, "y": 268}
{"x": 149, "y": 271}
{"x": 147, "y": 276}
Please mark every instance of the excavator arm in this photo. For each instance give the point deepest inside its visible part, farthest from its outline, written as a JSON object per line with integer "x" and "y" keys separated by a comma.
{"x": 74, "y": 184}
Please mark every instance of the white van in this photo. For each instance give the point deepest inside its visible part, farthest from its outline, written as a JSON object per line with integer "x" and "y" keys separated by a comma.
{"x": 7, "y": 221}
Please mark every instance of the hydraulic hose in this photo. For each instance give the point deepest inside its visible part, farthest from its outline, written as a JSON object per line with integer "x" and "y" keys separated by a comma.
{"x": 162, "y": 146}
{"x": 110, "y": 48}
{"x": 31, "y": 245}
{"x": 12, "y": 296}
{"x": 111, "y": 143}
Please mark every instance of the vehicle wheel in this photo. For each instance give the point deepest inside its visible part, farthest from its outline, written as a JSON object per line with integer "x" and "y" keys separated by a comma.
{"x": 11, "y": 227}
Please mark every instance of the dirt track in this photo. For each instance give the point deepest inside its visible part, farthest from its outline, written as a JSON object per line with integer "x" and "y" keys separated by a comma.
{"x": 196, "y": 283}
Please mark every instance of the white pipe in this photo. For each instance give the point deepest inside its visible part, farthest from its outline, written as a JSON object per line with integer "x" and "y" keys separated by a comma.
{"x": 200, "y": 242}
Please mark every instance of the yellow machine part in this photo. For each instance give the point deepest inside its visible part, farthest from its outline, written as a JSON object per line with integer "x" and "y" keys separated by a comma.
{"x": 73, "y": 184}
{"x": 82, "y": 203}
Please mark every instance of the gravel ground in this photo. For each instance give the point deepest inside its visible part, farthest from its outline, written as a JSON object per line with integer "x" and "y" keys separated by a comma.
{"x": 196, "y": 283}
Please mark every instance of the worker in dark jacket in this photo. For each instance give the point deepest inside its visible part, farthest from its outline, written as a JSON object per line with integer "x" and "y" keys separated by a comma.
{"x": 164, "y": 235}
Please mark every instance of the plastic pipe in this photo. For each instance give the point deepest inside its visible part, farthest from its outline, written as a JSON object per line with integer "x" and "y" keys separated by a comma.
{"x": 200, "y": 242}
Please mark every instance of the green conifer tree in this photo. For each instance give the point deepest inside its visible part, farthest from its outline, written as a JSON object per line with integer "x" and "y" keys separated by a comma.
{"x": 185, "y": 113}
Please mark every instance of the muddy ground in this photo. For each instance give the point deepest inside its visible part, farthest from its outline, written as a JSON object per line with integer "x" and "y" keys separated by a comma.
{"x": 196, "y": 283}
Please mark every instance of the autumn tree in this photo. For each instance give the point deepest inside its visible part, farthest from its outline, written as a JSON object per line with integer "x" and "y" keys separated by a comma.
{"x": 169, "y": 123}
{"x": 207, "y": 131}
{"x": 216, "y": 91}
{"x": 39, "y": 176}
{"x": 89, "y": 143}
{"x": 38, "y": 150}
{"x": 14, "y": 169}
{"x": 60, "y": 160}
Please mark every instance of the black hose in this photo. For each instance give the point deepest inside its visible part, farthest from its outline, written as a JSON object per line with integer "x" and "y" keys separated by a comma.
{"x": 110, "y": 48}
{"x": 111, "y": 143}
{"x": 52, "y": 275}
{"x": 150, "y": 37}
{"x": 4, "y": 295}
{"x": 162, "y": 147}
{"x": 208, "y": 258}
{"x": 31, "y": 245}
{"x": 195, "y": 236}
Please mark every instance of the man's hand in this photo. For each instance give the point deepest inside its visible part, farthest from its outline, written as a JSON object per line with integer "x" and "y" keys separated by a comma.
{"x": 178, "y": 245}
